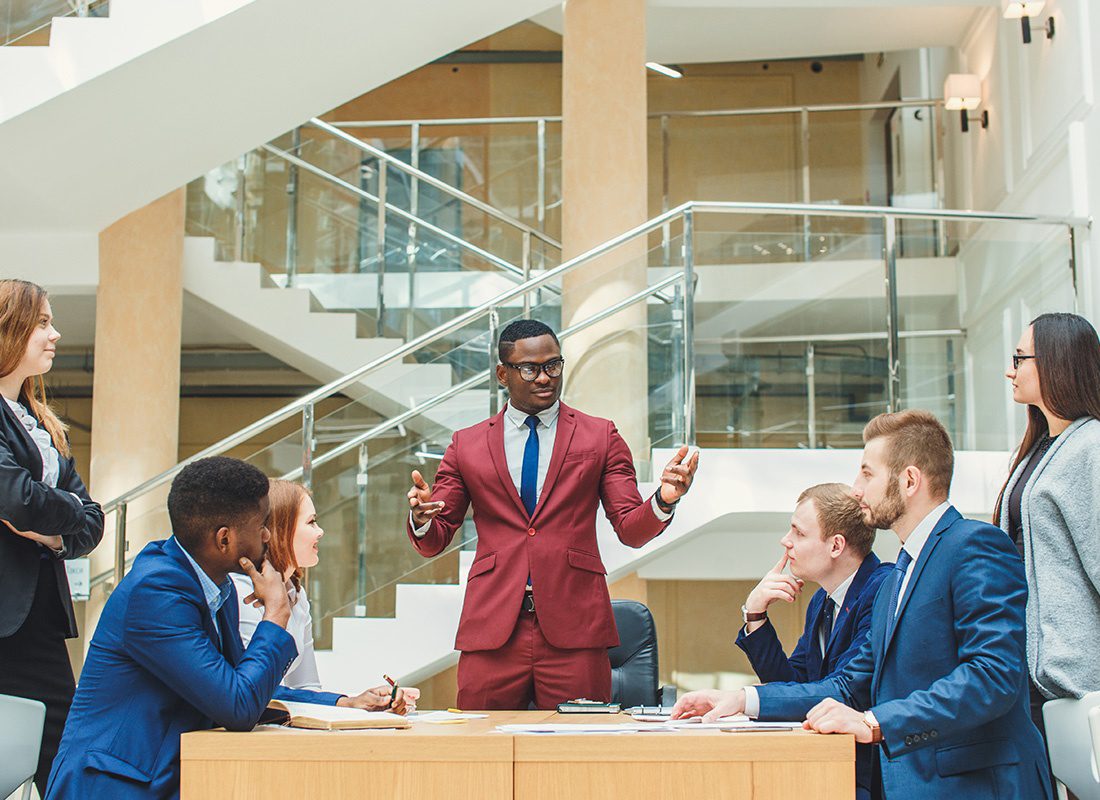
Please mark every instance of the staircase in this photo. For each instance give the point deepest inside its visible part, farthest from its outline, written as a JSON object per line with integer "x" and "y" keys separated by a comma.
{"x": 727, "y": 528}
{"x": 118, "y": 111}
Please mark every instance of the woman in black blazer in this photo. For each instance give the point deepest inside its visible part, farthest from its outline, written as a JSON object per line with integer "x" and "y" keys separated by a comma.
{"x": 46, "y": 516}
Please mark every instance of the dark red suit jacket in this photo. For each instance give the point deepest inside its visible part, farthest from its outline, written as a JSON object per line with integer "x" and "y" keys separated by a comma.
{"x": 556, "y": 546}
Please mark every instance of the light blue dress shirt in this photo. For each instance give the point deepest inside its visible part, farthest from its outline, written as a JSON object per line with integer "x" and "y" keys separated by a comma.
{"x": 215, "y": 595}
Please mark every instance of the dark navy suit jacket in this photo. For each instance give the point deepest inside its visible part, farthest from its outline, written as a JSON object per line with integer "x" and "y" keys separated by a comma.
{"x": 154, "y": 671}
{"x": 806, "y": 663}
{"x": 948, "y": 680}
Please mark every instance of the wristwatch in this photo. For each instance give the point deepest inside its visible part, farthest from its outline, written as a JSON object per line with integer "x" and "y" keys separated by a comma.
{"x": 872, "y": 723}
{"x": 753, "y": 616}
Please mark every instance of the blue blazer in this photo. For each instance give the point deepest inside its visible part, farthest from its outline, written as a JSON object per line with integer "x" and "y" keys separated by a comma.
{"x": 948, "y": 683}
{"x": 806, "y": 663}
{"x": 154, "y": 671}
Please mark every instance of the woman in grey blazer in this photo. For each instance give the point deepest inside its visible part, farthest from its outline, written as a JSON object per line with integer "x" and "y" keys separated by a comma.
{"x": 1050, "y": 507}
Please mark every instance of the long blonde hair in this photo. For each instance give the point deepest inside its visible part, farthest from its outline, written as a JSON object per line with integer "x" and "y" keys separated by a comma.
{"x": 22, "y": 304}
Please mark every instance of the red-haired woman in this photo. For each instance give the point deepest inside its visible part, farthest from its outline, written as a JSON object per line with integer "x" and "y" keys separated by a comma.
{"x": 295, "y": 536}
{"x": 46, "y": 516}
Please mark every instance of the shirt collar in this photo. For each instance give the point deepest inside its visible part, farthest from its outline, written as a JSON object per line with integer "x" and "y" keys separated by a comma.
{"x": 519, "y": 419}
{"x": 838, "y": 594}
{"x": 915, "y": 543}
{"x": 215, "y": 595}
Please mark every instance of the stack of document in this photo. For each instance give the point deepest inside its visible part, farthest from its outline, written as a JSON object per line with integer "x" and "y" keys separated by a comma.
{"x": 320, "y": 717}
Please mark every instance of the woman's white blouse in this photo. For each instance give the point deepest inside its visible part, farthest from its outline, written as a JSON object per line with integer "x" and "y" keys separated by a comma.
{"x": 303, "y": 672}
{"x": 51, "y": 460}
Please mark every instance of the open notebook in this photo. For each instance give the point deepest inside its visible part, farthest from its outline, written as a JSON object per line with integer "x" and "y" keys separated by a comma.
{"x": 328, "y": 718}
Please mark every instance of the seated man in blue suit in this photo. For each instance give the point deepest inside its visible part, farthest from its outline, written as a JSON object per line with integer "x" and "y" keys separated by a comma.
{"x": 166, "y": 657}
{"x": 941, "y": 684}
{"x": 830, "y": 544}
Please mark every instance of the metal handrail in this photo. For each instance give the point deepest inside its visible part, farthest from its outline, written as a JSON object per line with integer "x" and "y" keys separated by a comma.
{"x": 391, "y": 209}
{"x": 687, "y": 210}
{"x": 431, "y": 180}
{"x": 476, "y": 380}
{"x": 539, "y": 281}
{"x": 729, "y": 112}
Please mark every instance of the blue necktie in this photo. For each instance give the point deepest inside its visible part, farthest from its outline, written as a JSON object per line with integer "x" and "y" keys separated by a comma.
{"x": 904, "y": 560}
{"x": 825, "y": 625}
{"x": 529, "y": 476}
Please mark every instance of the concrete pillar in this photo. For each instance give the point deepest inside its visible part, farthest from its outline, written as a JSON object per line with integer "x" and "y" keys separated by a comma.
{"x": 604, "y": 194}
{"x": 136, "y": 386}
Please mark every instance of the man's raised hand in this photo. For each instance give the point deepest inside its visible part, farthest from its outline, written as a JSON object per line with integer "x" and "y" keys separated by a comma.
{"x": 420, "y": 500}
{"x": 678, "y": 475}
{"x": 269, "y": 588}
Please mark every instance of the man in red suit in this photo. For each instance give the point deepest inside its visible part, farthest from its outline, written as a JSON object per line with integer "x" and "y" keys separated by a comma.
{"x": 536, "y": 622}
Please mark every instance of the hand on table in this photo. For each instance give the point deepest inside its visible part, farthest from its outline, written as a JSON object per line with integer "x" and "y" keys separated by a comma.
{"x": 678, "y": 475}
{"x": 420, "y": 501}
{"x": 830, "y": 716}
{"x": 711, "y": 704}
{"x": 773, "y": 586}
{"x": 378, "y": 699}
{"x": 52, "y": 542}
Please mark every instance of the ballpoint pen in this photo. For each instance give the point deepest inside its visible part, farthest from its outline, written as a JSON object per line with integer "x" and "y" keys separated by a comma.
{"x": 393, "y": 683}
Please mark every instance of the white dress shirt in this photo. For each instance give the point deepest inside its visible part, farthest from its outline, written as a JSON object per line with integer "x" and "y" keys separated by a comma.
{"x": 516, "y": 434}
{"x": 914, "y": 543}
{"x": 51, "y": 459}
{"x": 303, "y": 670}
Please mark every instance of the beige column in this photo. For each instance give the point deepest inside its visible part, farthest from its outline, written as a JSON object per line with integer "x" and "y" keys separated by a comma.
{"x": 136, "y": 386}
{"x": 604, "y": 194}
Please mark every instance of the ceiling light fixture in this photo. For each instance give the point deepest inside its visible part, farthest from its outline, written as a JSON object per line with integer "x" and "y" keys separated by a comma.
{"x": 1025, "y": 10}
{"x": 962, "y": 92}
{"x": 668, "y": 72}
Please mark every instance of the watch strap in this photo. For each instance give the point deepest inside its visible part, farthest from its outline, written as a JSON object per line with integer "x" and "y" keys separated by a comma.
{"x": 753, "y": 616}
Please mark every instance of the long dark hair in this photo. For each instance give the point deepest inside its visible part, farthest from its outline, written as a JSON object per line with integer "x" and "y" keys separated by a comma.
{"x": 1067, "y": 355}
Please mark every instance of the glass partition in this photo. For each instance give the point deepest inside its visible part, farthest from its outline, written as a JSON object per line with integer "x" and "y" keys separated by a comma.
{"x": 27, "y": 22}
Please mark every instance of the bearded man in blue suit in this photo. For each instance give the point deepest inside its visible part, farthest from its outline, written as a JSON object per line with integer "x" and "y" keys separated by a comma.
{"x": 828, "y": 543}
{"x": 941, "y": 685}
{"x": 166, "y": 657}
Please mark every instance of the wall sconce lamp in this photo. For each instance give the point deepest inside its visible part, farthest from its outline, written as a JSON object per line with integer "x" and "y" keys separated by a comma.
{"x": 1024, "y": 10}
{"x": 962, "y": 92}
{"x": 662, "y": 69}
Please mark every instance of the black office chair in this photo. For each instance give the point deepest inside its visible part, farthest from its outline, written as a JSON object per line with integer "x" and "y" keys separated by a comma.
{"x": 634, "y": 674}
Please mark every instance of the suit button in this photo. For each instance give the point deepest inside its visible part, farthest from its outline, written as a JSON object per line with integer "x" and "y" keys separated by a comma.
{"x": 933, "y": 734}
{"x": 908, "y": 740}
{"x": 530, "y": 531}
{"x": 924, "y": 737}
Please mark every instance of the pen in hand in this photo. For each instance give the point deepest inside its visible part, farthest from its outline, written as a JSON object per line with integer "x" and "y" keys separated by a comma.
{"x": 392, "y": 683}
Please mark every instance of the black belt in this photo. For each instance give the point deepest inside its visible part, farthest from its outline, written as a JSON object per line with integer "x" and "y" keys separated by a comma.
{"x": 528, "y": 604}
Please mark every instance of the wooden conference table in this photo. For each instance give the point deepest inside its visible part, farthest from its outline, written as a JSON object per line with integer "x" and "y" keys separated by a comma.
{"x": 472, "y": 761}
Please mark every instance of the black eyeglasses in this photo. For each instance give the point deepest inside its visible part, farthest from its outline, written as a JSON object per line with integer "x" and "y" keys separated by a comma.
{"x": 1017, "y": 358}
{"x": 530, "y": 372}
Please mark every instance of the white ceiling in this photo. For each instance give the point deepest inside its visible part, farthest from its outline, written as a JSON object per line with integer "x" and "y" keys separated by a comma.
{"x": 701, "y": 31}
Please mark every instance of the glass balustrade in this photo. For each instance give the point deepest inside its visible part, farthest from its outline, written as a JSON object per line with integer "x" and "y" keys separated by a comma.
{"x": 360, "y": 469}
{"x": 27, "y": 22}
{"x": 788, "y": 343}
{"x": 307, "y": 209}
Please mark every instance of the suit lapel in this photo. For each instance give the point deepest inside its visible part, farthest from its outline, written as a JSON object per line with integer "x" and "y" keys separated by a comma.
{"x": 869, "y": 565}
{"x": 35, "y": 467}
{"x": 566, "y": 425}
{"x": 495, "y": 440}
{"x": 176, "y": 553}
{"x": 944, "y": 523}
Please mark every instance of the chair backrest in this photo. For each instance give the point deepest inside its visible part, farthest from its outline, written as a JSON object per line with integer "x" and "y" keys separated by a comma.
{"x": 634, "y": 675}
{"x": 20, "y": 738}
{"x": 1070, "y": 744}
{"x": 1094, "y": 725}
